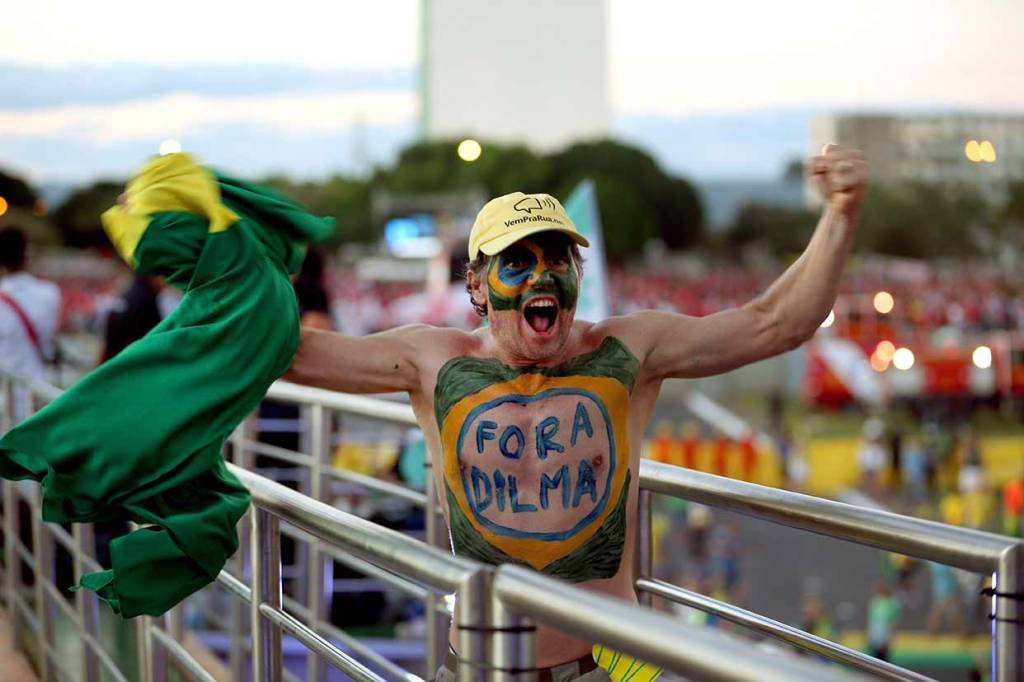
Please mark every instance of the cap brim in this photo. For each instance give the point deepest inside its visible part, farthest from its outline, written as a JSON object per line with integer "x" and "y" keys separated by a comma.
{"x": 501, "y": 243}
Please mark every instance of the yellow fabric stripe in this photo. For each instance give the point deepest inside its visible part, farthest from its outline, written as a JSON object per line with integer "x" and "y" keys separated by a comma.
{"x": 635, "y": 670}
{"x": 174, "y": 182}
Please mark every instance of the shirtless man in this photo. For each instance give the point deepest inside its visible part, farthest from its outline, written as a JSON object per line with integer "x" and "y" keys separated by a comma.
{"x": 534, "y": 421}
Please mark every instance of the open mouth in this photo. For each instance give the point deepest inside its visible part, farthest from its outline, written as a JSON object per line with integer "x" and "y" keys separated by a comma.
{"x": 541, "y": 312}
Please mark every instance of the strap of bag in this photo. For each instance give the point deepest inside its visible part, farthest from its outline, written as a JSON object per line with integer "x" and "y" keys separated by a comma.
{"x": 30, "y": 330}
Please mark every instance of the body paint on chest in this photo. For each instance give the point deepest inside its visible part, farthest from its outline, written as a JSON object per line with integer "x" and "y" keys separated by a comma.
{"x": 523, "y": 270}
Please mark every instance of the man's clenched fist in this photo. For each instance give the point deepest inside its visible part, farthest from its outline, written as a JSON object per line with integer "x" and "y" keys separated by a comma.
{"x": 841, "y": 174}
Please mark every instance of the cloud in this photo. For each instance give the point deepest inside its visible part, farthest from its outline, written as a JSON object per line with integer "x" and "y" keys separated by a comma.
{"x": 178, "y": 115}
{"x": 31, "y": 86}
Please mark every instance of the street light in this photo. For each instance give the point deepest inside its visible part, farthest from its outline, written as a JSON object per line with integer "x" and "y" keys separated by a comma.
{"x": 469, "y": 150}
{"x": 3, "y": 205}
{"x": 982, "y": 357}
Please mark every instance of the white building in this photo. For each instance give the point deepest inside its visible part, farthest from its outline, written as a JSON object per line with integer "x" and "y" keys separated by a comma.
{"x": 528, "y": 71}
{"x": 932, "y": 147}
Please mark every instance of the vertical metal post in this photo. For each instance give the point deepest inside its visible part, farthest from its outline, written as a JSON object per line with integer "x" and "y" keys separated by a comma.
{"x": 42, "y": 567}
{"x": 1008, "y": 612}
{"x": 473, "y": 605}
{"x": 437, "y": 620}
{"x": 85, "y": 601}
{"x": 513, "y": 645}
{"x": 265, "y": 553}
{"x": 242, "y": 457}
{"x": 158, "y": 657}
{"x": 644, "y": 542}
{"x": 11, "y": 559}
{"x": 318, "y": 426}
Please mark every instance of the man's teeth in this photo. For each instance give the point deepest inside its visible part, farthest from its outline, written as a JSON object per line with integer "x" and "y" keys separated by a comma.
{"x": 543, "y": 304}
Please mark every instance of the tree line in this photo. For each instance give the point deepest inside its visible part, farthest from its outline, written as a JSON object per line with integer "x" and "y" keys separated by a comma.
{"x": 639, "y": 201}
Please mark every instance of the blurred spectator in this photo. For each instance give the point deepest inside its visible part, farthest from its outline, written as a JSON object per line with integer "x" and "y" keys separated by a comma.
{"x": 883, "y": 614}
{"x": 813, "y": 618}
{"x": 726, "y": 557}
{"x": 915, "y": 468}
{"x": 748, "y": 456}
{"x": 29, "y": 314}
{"x": 871, "y": 456}
{"x": 698, "y": 522}
{"x": 135, "y": 312}
{"x": 946, "y": 606}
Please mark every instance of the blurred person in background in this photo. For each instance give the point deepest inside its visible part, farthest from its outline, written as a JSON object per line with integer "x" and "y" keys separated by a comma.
{"x": 133, "y": 314}
{"x": 29, "y": 310}
{"x": 871, "y": 456}
{"x": 748, "y": 456}
{"x": 915, "y": 468}
{"x": 496, "y": 402}
{"x": 720, "y": 448}
{"x": 29, "y": 313}
{"x": 946, "y": 605}
{"x": 883, "y": 614}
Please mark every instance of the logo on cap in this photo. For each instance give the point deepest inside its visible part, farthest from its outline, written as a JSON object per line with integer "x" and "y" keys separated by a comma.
{"x": 530, "y": 204}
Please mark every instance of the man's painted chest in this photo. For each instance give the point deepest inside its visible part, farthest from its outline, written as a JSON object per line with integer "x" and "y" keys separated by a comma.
{"x": 536, "y": 460}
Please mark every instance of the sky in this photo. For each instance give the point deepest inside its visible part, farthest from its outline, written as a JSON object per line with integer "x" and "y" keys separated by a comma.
{"x": 713, "y": 89}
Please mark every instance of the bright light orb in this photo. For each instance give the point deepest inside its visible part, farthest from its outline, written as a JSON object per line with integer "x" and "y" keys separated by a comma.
{"x": 903, "y": 358}
{"x": 884, "y": 302}
{"x": 169, "y": 147}
{"x": 830, "y": 320}
{"x": 3, "y": 205}
{"x": 987, "y": 152}
{"x": 982, "y": 357}
{"x": 469, "y": 150}
{"x": 972, "y": 150}
{"x": 885, "y": 350}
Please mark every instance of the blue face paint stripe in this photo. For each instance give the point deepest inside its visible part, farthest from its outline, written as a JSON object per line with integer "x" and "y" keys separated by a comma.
{"x": 526, "y": 400}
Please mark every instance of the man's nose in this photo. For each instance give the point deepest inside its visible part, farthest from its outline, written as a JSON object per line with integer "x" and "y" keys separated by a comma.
{"x": 542, "y": 276}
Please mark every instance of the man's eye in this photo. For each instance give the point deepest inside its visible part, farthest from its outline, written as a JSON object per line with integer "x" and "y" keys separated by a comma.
{"x": 559, "y": 261}
{"x": 515, "y": 264}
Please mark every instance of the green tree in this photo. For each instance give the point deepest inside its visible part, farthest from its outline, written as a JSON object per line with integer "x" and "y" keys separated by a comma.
{"x": 16, "y": 191}
{"x": 78, "y": 218}
{"x": 922, "y": 220}
{"x": 782, "y": 229}
{"x": 637, "y": 199}
{"x": 347, "y": 200}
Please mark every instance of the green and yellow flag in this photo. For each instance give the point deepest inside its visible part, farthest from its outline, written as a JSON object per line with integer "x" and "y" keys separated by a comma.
{"x": 140, "y": 437}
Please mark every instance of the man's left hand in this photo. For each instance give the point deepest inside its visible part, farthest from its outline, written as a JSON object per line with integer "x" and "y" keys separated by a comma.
{"x": 841, "y": 175}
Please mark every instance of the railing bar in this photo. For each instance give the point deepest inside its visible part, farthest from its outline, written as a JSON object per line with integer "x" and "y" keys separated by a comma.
{"x": 393, "y": 550}
{"x": 965, "y": 548}
{"x": 354, "y": 404}
{"x": 407, "y": 587}
{"x": 315, "y": 642}
{"x": 234, "y": 585}
{"x": 396, "y": 672}
{"x": 173, "y": 647}
{"x": 284, "y": 454}
{"x": 68, "y": 542}
{"x": 23, "y": 552}
{"x": 777, "y": 630}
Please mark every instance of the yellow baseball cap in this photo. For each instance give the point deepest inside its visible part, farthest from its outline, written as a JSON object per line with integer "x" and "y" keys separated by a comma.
{"x": 507, "y": 219}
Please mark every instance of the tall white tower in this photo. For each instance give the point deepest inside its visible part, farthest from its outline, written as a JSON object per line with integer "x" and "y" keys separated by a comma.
{"x": 530, "y": 71}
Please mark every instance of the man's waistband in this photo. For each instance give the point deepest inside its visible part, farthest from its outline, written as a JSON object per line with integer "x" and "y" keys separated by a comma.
{"x": 562, "y": 671}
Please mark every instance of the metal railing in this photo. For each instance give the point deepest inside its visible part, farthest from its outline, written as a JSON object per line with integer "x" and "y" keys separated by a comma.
{"x": 495, "y": 607}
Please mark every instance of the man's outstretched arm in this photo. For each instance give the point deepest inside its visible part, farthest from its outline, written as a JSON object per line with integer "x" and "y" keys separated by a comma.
{"x": 785, "y": 315}
{"x": 377, "y": 363}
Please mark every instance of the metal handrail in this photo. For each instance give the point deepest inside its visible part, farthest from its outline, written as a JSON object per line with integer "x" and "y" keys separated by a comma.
{"x": 965, "y": 548}
{"x": 483, "y": 609}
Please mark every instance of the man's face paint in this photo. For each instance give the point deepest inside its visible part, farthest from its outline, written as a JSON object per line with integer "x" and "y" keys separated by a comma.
{"x": 529, "y": 271}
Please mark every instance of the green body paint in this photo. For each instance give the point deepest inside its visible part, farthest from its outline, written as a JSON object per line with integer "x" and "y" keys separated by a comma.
{"x": 481, "y": 517}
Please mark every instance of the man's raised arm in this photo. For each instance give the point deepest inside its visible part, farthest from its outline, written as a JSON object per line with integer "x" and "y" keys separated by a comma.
{"x": 785, "y": 315}
{"x": 378, "y": 363}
